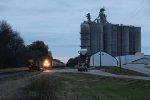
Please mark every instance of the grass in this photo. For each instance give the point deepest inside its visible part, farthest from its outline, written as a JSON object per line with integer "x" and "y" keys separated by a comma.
{"x": 116, "y": 70}
{"x": 42, "y": 88}
{"x": 90, "y": 87}
{"x": 75, "y": 86}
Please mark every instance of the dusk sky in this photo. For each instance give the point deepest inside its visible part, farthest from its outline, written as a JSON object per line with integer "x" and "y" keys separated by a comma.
{"x": 57, "y": 22}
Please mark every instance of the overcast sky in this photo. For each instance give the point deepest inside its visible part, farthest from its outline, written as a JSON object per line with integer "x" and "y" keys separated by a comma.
{"x": 57, "y": 22}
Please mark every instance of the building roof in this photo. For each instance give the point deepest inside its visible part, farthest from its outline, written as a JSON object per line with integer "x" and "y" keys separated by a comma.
{"x": 141, "y": 59}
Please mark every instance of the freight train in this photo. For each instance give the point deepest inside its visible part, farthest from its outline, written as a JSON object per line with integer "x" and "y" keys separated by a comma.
{"x": 40, "y": 64}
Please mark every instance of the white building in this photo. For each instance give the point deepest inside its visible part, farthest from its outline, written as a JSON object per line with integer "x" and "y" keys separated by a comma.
{"x": 107, "y": 60}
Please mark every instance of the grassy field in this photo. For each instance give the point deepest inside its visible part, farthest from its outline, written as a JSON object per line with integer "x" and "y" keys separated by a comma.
{"x": 71, "y": 86}
{"x": 116, "y": 70}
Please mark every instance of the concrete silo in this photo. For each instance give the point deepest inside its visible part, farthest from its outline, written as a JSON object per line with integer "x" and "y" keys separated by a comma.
{"x": 114, "y": 39}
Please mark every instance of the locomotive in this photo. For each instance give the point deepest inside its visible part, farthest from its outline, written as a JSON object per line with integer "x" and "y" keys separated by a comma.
{"x": 40, "y": 64}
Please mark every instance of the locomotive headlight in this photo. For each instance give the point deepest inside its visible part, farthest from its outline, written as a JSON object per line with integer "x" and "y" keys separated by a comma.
{"x": 46, "y": 63}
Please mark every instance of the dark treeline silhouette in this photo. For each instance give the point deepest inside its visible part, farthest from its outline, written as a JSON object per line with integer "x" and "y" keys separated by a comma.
{"x": 13, "y": 52}
{"x": 12, "y": 46}
{"x": 72, "y": 62}
{"x": 37, "y": 50}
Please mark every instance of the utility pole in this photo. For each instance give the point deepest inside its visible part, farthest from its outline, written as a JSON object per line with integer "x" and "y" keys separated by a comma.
{"x": 100, "y": 55}
{"x": 120, "y": 63}
{"x": 93, "y": 60}
{"x": 120, "y": 50}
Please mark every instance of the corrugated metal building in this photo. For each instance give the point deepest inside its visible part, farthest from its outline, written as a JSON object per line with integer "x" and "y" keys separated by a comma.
{"x": 114, "y": 39}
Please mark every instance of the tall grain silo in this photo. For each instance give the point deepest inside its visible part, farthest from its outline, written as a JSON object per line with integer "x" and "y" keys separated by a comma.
{"x": 85, "y": 36}
{"x": 108, "y": 38}
{"x": 125, "y": 40}
{"x": 114, "y": 50}
{"x": 114, "y": 39}
{"x": 96, "y": 37}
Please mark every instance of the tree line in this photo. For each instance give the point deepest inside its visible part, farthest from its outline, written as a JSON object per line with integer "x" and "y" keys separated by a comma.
{"x": 14, "y": 52}
{"x": 72, "y": 62}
